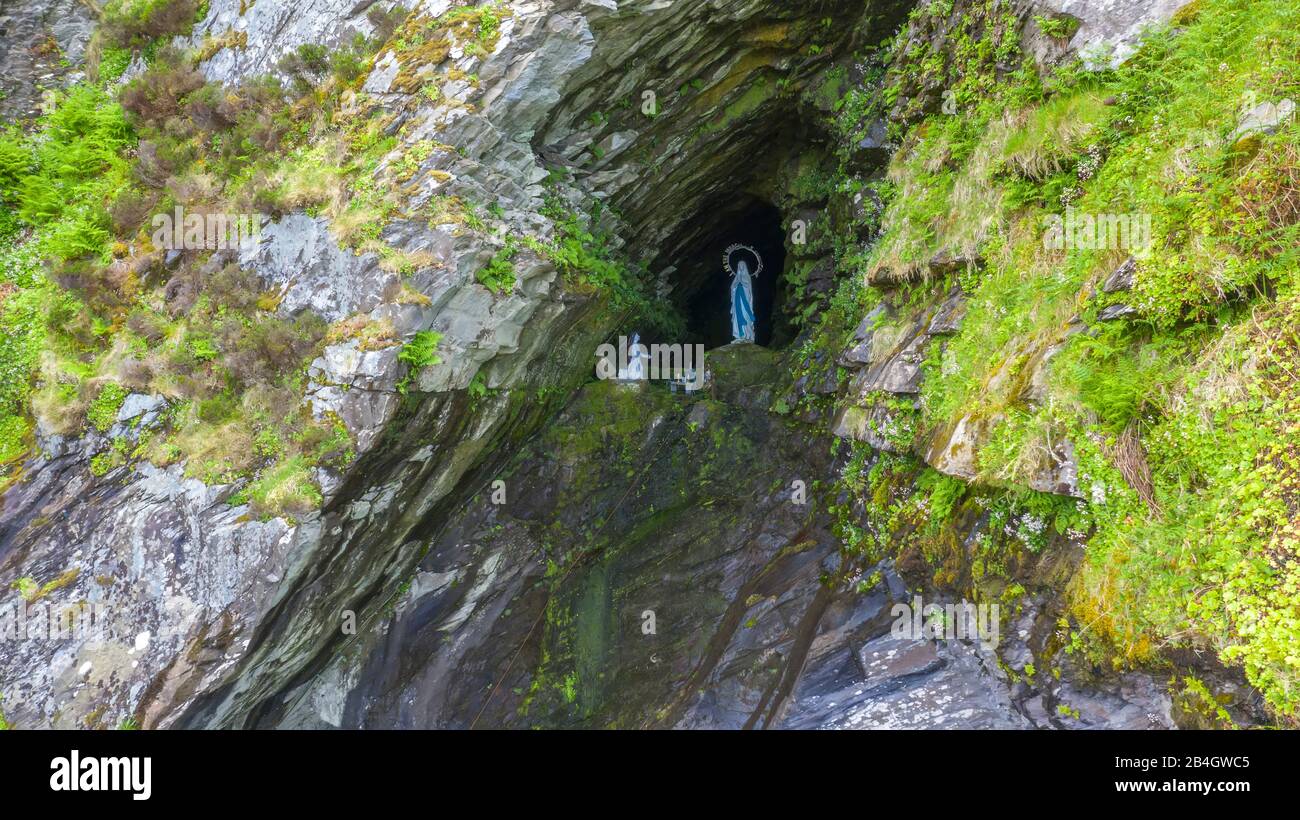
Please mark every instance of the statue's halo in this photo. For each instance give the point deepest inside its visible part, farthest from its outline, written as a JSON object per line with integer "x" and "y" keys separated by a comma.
{"x": 733, "y": 250}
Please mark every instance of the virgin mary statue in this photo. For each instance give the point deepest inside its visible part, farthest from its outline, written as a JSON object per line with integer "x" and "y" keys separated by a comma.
{"x": 742, "y": 290}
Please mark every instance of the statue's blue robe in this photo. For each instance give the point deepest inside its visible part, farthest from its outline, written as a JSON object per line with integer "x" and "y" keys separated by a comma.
{"x": 742, "y": 305}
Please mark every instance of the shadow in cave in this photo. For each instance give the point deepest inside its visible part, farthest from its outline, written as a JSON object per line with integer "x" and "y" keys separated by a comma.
{"x": 703, "y": 290}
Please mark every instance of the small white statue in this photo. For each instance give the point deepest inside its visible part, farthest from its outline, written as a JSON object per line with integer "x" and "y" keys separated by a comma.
{"x": 633, "y": 370}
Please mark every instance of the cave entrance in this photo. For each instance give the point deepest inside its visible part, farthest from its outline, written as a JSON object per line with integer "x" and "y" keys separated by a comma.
{"x": 703, "y": 291}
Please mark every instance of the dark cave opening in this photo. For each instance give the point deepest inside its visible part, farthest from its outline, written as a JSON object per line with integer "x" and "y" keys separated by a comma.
{"x": 704, "y": 290}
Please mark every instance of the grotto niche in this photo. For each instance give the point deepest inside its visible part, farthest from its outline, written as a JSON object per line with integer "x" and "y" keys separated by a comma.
{"x": 703, "y": 287}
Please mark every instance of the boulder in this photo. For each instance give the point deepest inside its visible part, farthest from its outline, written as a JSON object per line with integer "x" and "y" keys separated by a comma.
{"x": 948, "y": 316}
{"x": 1108, "y": 31}
{"x": 1122, "y": 278}
{"x": 1265, "y": 118}
{"x": 1112, "y": 312}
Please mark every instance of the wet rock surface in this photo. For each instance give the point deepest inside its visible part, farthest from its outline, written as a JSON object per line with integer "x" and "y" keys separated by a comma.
{"x": 42, "y": 42}
{"x": 163, "y": 576}
{"x": 649, "y": 566}
{"x": 906, "y": 684}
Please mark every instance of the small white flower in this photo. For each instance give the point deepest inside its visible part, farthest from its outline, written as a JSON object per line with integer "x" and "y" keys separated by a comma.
{"x": 1098, "y": 493}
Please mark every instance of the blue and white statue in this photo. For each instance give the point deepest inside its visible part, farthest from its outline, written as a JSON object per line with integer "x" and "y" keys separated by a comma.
{"x": 742, "y": 290}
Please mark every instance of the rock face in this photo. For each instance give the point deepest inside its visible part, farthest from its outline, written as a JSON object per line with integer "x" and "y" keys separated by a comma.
{"x": 652, "y": 562}
{"x": 36, "y": 37}
{"x": 163, "y": 577}
{"x": 1265, "y": 118}
{"x": 564, "y": 87}
{"x": 649, "y": 565}
{"x": 297, "y": 258}
{"x": 1107, "y": 32}
{"x": 279, "y": 28}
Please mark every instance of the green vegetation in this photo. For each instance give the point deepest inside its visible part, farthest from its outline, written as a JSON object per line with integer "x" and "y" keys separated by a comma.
{"x": 136, "y": 23}
{"x": 498, "y": 275}
{"x": 1196, "y": 698}
{"x": 1059, "y": 28}
{"x": 287, "y": 489}
{"x": 31, "y": 591}
{"x": 25, "y": 298}
{"x": 102, "y": 412}
{"x": 1182, "y": 416}
{"x": 419, "y": 353}
{"x": 482, "y": 23}
{"x": 478, "y": 386}
{"x": 585, "y": 256}
{"x": 113, "y": 63}
{"x": 27, "y": 588}
{"x": 111, "y": 313}
{"x": 425, "y": 41}
{"x": 62, "y": 179}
